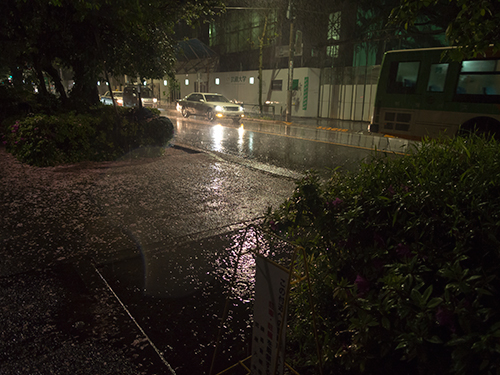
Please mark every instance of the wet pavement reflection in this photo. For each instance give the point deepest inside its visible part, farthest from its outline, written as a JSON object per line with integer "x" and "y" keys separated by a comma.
{"x": 283, "y": 151}
{"x": 177, "y": 295}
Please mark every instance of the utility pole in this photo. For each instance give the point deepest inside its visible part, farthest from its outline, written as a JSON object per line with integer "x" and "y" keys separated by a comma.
{"x": 291, "y": 53}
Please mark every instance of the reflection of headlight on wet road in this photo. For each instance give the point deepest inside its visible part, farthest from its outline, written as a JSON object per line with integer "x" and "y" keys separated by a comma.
{"x": 217, "y": 134}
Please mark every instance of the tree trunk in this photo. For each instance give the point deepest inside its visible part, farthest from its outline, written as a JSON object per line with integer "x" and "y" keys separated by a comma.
{"x": 57, "y": 82}
{"x": 42, "y": 89}
{"x": 85, "y": 89}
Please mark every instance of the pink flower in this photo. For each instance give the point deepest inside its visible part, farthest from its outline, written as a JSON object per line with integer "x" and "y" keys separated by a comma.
{"x": 362, "y": 284}
{"x": 404, "y": 251}
{"x": 444, "y": 317}
{"x": 391, "y": 190}
{"x": 272, "y": 225}
{"x": 335, "y": 203}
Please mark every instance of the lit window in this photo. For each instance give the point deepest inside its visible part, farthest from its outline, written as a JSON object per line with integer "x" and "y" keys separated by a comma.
{"x": 333, "y": 34}
{"x": 217, "y": 81}
{"x": 98, "y": 83}
{"x": 165, "y": 82}
{"x": 251, "y": 80}
{"x": 186, "y": 81}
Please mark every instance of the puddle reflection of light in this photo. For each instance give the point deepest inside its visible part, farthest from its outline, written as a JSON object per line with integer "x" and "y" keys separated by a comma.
{"x": 218, "y": 135}
{"x": 179, "y": 124}
{"x": 241, "y": 133}
{"x": 250, "y": 142}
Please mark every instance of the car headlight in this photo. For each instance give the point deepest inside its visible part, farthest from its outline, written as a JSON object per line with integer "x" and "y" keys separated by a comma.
{"x": 119, "y": 101}
{"x": 218, "y": 108}
{"x": 155, "y": 100}
{"x": 241, "y": 109}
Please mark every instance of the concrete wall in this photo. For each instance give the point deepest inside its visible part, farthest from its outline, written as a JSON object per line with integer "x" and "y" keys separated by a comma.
{"x": 244, "y": 87}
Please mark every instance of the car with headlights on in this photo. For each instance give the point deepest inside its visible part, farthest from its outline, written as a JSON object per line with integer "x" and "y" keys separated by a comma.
{"x": 117, "y": 95}
{"x": 210, "y": 105}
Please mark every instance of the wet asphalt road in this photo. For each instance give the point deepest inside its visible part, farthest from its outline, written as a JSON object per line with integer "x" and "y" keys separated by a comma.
{"x": 281, "y": 150}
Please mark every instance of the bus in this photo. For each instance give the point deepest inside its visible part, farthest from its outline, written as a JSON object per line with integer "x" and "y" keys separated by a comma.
{"x": 422, "y": 93}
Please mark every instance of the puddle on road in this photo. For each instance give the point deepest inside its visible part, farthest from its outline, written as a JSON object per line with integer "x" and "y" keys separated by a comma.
{"x": 177, "y": 295}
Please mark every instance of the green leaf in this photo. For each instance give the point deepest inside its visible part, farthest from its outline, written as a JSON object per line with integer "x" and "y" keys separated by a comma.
{"x": 433, "y": 303}
{"x": 435, "y": 340}
{"x": 416, "y": 296}
{"x": 483, "y": 291}
{"x": 402, "y": 345}
{"x": 427, "y": 294}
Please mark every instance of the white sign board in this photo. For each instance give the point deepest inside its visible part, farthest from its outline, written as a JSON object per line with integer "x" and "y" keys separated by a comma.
{"x": 269, "y": 313}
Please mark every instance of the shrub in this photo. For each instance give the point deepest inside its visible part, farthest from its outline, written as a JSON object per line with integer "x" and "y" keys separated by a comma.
{"x": 405, "y": 261}
{"x": 97, "y": 134}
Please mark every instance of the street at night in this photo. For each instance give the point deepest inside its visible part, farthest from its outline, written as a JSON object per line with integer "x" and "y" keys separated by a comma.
{"x": 264, "y": 187}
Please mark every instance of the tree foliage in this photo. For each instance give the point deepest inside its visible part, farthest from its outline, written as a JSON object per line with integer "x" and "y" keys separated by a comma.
{"x": 93, "y": 36}
{"x": 471, "y": 25}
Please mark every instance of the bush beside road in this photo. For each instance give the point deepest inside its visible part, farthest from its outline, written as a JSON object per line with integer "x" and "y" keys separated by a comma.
{"x": 405, "y": 258}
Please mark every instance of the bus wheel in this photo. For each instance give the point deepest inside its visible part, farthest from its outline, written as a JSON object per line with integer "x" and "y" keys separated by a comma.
{"x": 485, "y": 126}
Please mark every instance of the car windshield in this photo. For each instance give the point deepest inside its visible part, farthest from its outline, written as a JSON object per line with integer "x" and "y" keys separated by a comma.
{"x": 216, "y": 98}
{"x": 146, "y": 93}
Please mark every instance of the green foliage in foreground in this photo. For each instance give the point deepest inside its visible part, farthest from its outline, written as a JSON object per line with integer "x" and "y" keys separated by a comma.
{"x": 95, "y": 135}
{"x": 405, "y": 261}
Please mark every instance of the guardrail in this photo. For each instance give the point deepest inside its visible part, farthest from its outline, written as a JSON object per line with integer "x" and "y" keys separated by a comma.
{"x": 268, "y": 110}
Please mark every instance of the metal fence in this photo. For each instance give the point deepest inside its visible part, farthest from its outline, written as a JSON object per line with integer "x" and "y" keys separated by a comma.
{"x": 348, "y": 93}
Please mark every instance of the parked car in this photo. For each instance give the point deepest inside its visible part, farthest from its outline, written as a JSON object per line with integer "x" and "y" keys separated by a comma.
{"x": 210, "y": 105}
{"x": 131, "y": 97}
{"x": 118, "y": 96}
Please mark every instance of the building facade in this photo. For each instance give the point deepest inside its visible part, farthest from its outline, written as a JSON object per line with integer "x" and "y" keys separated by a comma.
{"x": 333, "y": 56}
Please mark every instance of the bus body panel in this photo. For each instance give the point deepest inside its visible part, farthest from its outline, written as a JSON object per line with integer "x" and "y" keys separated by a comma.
{"x": 416, "y": 124}
{"x": 421, "y": 93}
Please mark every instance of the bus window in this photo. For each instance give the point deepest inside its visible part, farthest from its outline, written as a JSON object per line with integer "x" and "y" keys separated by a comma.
{"x": 403, "y": 77}
{"x": 480, "y": 66}
{"x": 437, "y": 77}
{"x": 479, "y": 80}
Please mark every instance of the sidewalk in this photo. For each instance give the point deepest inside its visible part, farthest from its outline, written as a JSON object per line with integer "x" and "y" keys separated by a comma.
{"x": 61, "y": 225}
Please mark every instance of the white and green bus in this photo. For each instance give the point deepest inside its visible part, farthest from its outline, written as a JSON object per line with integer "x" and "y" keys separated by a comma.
{"x": 420, "y": 94}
